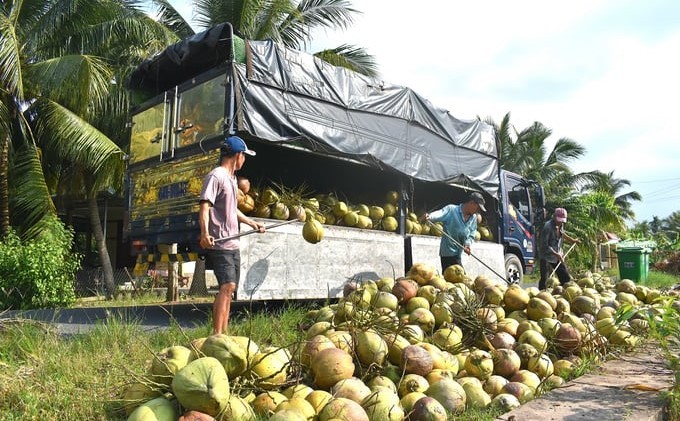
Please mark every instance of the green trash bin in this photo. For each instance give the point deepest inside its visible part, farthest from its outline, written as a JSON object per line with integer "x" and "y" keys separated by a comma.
{"x": 633, "y": 263}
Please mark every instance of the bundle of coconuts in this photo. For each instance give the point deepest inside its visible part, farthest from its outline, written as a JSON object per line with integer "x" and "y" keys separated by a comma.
{"x": 422, "y": 346}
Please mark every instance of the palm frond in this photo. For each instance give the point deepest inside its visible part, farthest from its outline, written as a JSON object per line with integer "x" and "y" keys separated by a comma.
{"x": 30, "y": 199}
{"x": 240, "y": 13}
{"x": 11, "y": 79}
{"x": 169, "y": 17}
{"x": 312, "y": 14}
{"x": 351, "y": 57}
{"x": 67, "y": 136}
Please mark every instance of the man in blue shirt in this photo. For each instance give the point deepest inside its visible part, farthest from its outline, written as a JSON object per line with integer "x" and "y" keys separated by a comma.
{"x": 460, "y": 223}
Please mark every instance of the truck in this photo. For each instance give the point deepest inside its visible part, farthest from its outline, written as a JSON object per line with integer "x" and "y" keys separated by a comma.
{"x": 327, "y": 128}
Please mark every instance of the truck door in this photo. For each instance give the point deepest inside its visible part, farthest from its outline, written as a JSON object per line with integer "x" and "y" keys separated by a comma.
{"x": 519, "y": 228}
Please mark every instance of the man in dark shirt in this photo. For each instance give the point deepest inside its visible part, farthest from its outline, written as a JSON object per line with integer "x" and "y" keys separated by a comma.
{"x": 550, "y": 248}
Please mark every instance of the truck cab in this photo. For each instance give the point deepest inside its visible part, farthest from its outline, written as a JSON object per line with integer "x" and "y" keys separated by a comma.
{"x": 522, "y": 211}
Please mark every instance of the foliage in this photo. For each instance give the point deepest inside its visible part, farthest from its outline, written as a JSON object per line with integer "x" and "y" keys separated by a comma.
{"x": 665, "y": 328}
{"x": 40, "y": 272}
{"x": 288, "y": 22}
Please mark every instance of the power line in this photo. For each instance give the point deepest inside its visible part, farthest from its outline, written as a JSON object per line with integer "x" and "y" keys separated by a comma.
{"x": 660, "y": 180}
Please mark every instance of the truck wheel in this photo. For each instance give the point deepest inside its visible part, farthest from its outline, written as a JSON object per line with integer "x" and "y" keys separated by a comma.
{"x": 513, "y": 269}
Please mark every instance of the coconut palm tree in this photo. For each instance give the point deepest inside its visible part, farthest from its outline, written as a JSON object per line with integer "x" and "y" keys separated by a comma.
{"x": 288, "y": 22}
{"x": 606, "y": 182}
{"x": 55, "y": 80}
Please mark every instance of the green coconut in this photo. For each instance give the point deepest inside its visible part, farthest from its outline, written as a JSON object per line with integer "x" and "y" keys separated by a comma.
{"x": 158, "y": 409}
{"x": 383, "y": 404}
{"x": 169, "y": 361}
{"x": 312, "y": 231}
{"x": 370, "y": 348}
{"x": 270, "y": 367}
{"x": 202, "y": 385}
{"x": 228, "y": 351}
{"x": 449, "y": 393}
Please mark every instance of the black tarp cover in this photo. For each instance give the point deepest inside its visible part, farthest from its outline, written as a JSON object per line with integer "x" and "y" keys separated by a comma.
{"x": 285, "y": 95}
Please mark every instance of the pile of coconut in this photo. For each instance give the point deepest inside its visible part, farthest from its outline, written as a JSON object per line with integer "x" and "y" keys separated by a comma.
{"x": 420, "y": 347}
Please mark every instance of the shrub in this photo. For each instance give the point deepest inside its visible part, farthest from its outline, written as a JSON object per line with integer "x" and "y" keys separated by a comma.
{"x": 38, "y": 273}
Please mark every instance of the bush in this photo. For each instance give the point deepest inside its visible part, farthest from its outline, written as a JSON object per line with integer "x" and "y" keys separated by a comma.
{"x": 38, "y": 273}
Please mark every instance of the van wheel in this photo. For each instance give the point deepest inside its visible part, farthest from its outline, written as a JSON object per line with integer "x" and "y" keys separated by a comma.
{"x": 513, "y": 269}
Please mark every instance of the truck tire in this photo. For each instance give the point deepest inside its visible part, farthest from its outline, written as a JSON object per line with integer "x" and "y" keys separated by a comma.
{"x": 513, "y": 269}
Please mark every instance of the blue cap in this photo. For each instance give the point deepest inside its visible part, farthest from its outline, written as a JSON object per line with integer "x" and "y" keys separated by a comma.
{"x": 234, "y": 144}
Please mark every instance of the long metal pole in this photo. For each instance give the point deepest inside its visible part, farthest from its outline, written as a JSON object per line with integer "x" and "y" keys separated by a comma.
{"x": 461, "y": 246}
{"x": 241, "y": 234}
{"x": 560, "y": 262}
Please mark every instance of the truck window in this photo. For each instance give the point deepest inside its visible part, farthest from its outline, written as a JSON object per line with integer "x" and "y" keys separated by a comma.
{"x": 518, "y": 198}
{"x": 201, "y": 112}
{"x": 147, "y": 134}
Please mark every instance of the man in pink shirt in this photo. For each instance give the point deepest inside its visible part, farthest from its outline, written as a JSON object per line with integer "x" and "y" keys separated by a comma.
{"x": 219, "y": 217}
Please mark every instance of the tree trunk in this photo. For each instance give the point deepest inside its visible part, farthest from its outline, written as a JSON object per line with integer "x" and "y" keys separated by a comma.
{"x": 4, "y": 186}
{"x": 198, "y": 284}
{"x": 104, "y": 258}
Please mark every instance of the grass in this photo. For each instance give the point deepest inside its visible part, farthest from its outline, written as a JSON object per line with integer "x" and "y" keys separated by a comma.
{"x": 45, "y": 376}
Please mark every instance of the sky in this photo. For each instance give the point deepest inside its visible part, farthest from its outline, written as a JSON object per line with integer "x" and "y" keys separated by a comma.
{"x": 603, "y": 73}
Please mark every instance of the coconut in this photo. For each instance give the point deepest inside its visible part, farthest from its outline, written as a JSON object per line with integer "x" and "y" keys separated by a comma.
{"x": 312, "y": 231}
{"x": 448, "y": 338}
{"x": 343, "y": 409}
{"x": 528, "y": 378}
{"x": 389, "y": 223}
{"x": 229, "y": 352}
{"x": 383, "y": 404}
{"x": 568, "y": 338}
{"x": 506, "y": 402}
{"x": 370, "y": 348}
{"x": 238, "y": 409}
{"x": 542, "y": 365}
{"x": 405, "y": 289}
{"x": 266, "y": 402}
{"x": 136, "y": 394}
{"x": 525, "y": 325}
{"x": 416, "y": 360}
{"x": 525, "y": 351}
{"x": 202, "y": 385}
{"x": 297, "y": 404}
{"x": 625, "y": 285}
{"x": 412, "y": 383}
{"x": 454, "y": 274}
{"x": 270, "y": 367}
{"x": 312, "y": 347}
{"x": 519, "y": 390}
{"x": 449, "y": 393}
{"x": 421, "y": 317}
{"x": 169, "y": 361}
{"x": 563, "y": 367}
{"x": 330, "y": 366}
{"x": 515, "y": 298}
{"x": 508, "y": 326}
{"x": 479, "y": 364}
{"x": 246, "y": 203}
{"x": 280, "y": 211}
{"x": 414, "y": 333}
{"x": 297, "y": 391}
{"x": 427, "y": 408}
{"x": 562, "y": 306}
{"x": 494, "y": 384}
{"x": 534, "y": 338}
{"x": 539, "y": 309}
{"x": 342, "y": 340}
{"x": 492, "y": 295}
{"x": 319, "y": 399}
{"x": 385, "y": 299}
{"x": 382, "y": 382}
{"x": 583, "y": 304}
{"x": 549, "y": 326}
{"x": 421, "y": 273}
{"x": 488, "y": 317}
{"x": 416, "y": 303}
{"x": 439, "y": 373}
{"x": 502, "y": 340}
{"x": 287, "y": 415}
{"x": 195, "y": 416}
{"x": 395, "y": 346}
{"x": 548, "y": 298}
{"x": 506, "y": 362}
{"x": 442, "y": 313}
{"x": 429, "y": 292}
{"x": 159, "y": 409}
{"x": 476, "y": 397}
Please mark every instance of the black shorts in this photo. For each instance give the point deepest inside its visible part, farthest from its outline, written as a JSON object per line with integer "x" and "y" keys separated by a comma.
{"x": 226, "y": 264}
